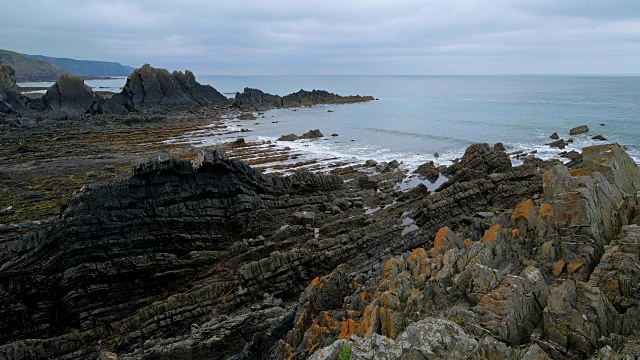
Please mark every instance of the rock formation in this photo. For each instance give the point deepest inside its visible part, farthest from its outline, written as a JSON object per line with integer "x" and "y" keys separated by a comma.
{"x": 211, "y": 259}
{"x": 311, "y": 134}
{"x": 149, "y": 87}
{"x": 10, "y": 98}
{"x": 579, "y": 130}
{"x": 69, "y": 94}
{"x": 257, "y": 100}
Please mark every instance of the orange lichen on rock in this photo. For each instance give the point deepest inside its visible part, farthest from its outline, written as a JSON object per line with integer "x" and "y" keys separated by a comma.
{"x": 611, "y": 286}
{"x": 439, "y": 243}
{"x": 558, "y": 266}
{"x": 547, "y": 210}
{"x": 347, "y": 328}
{"x": 491, "y": 235}
{"x": 369, "y": 322}
{"x": 575, "y": 265}
{"x": 467, "y": 241}
{"x": 392, "y": 267}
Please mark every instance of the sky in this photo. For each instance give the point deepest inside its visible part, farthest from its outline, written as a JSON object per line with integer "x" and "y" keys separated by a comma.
{"x": 358, "y": 37}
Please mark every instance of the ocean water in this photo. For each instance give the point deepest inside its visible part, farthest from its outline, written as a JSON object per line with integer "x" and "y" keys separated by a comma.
{"x": 417, "y": 116}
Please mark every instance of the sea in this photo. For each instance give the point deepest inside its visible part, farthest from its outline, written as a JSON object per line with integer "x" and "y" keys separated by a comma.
{"x": 415, "y": 117}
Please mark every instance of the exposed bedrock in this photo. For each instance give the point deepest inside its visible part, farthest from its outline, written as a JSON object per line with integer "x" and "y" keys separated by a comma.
{"x": 149, "y": 87}
{"x": 69, "y": 94}
{"x": 211, "y": 259}
{"x": 554, "y": 279}
{"x": 10, "y": 98}
{"x": 257, "y": 100}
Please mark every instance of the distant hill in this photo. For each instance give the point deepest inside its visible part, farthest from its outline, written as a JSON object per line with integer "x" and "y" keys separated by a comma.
{"x": 28, "y": 68}
{"x": 87, "y": 68}
{"x": 39, "y": 67}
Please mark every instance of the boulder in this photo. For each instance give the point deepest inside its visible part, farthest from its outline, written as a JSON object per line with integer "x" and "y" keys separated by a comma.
{"x": 312, "y": 134}
{"x": 428, "y": 171}
{"x": 579, "y": 130}
{"x": 288, "y": 137}
{"x": 560, "y": 144}
{"x": 599, "y": 137}
{"x": 554, "y": 136}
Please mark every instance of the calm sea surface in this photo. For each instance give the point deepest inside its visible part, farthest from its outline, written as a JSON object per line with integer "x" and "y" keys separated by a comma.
{"x": 417, "y": 116}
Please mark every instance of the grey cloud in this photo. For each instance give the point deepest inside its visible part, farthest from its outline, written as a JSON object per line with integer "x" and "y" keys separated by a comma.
{"x": 316, "y": 37}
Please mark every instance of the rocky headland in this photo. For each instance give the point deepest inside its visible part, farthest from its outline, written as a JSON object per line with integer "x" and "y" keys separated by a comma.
{"x": 191, "y": 253}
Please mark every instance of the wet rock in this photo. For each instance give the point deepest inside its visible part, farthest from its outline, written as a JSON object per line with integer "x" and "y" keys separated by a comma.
{"x": 559, "y": 144}
{"x": 288, "y": 137}
{"x": 246, "y": 116}
{"x": 579, "y": 130}
{"x": 599, "y": 137}
{"x": 367, "y": 183}
{"x": 312, "y": 134}
{"x": 428, "y": 171}
{"x": 554, "y": 136}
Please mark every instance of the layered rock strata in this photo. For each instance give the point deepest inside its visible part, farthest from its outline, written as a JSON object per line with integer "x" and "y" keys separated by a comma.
{"x": 211, "y": 259}
{"x": 149, "y": 87}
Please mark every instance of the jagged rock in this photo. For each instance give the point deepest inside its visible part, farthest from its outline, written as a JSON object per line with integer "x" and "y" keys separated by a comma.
{"x": 431, "y": 338}
{"x": 478, "y": 161}
{"x": 560, "y": 144}
{"x": 599, "y": 137}
{"x": 428, "y": 171}
{"x": 69, "y": 94}
{"x": 202, "y": 259}
{"x": 10, "y": 98}
{"x": 579, "y": 130}
{"x": 148, "y": 87}
{"x": 312, "y": 134}
{"x": 554, "y": 136}
{"x": 256, "y": 100}
{"x": 513, "y": 310}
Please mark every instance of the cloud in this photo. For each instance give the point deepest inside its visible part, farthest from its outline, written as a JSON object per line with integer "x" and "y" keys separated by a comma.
{"x": 326, "y": 37}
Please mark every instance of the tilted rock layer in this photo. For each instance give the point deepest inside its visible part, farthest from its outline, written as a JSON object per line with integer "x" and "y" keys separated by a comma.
{"x": 211, "y": 259}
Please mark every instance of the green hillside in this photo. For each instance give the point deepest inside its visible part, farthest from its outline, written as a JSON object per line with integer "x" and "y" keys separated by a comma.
{"x": 28, "y": 68}
{"x": 38, "y": 67}
{"x": 87, "y": 68}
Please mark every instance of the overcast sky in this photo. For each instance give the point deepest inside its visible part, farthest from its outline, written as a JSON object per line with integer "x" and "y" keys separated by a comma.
{"x": 335, "y": 36}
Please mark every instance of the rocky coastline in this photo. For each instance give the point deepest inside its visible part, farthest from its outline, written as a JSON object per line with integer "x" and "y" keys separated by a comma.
{"x": 194, "y": 253}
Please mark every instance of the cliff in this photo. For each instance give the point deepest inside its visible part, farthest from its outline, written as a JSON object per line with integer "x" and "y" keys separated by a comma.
{"x": 45, "y": 68}
{"x": 87, "y": 68}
